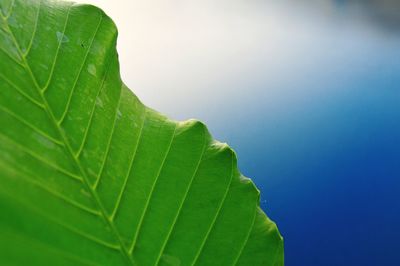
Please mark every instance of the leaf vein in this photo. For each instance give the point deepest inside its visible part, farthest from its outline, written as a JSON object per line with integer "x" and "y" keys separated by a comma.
{"x": 183, "y": 201}
{"x": 59, "y": 251}
{"x": 215, "y": 217}
{"x": 129, "y": 170}
{"x": 40, "y": 158}
{"x": 109, "y": 143}
{"x": 151, "y": 193}
{"x": 60, "y": 38}
{"x": 10, "y": 10}
{"x": 61, "y": 223}
{"x": 34, "y": 128}
{"x": 21, "y": 91}
{"x": 61, "y": 119}
{"x": 245, "y": 240}
{"x": 11, "y": 57}
{"x": 59, "y": 195}
{"x": 92, "y": 113}
{"x": 28, "y": 49}
{"x": 68, "y": 148}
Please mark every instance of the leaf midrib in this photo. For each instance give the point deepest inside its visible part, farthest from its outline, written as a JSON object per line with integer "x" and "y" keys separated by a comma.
{"x": 65, "y": 141}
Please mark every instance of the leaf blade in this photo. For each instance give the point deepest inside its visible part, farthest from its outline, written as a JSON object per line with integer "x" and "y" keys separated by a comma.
{"x": 176, "y": 186}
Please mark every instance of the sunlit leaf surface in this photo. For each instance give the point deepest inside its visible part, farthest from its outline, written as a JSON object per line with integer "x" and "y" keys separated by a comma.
{"x": 91, "y": 176}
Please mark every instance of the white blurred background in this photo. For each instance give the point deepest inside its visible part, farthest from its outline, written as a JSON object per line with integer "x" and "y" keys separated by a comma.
{"x": 190, "y": 58}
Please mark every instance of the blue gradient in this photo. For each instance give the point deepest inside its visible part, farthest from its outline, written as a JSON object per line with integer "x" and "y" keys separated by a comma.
{"x": 329, "y": 174}
{"x": 325, "y": 151}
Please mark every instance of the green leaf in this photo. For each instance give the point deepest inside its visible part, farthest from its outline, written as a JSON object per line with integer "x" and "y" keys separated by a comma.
{"x": 91, "y": 176}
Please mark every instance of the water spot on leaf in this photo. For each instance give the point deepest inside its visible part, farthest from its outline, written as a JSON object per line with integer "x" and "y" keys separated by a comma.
{"x": 12, "y": 22}
{"x": 61, "y": 37}
{"x": 99, "y": 102}
{"x": 90, "y": 170}
{"x": 44, "y": 141}
{"x": 44, "y": 66}
{"x": 171, "y": 260}
{"x": 119, "y": 114}
{"x": 85, "y": 193}
{"x": 23, "y": 49}
{"x": 92, "y": 69}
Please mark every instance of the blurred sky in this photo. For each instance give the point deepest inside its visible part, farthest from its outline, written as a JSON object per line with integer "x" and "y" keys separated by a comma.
{"x": 307, "y": 92}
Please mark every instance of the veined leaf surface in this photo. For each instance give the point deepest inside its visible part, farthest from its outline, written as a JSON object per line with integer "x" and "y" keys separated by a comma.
{"x": 91, "y": 176}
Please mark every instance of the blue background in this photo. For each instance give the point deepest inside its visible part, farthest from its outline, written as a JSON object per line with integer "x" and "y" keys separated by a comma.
{"x": 325, "y": 152}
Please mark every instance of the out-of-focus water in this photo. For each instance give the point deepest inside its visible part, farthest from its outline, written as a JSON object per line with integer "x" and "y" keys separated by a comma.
{"x": 306, "y": 92}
